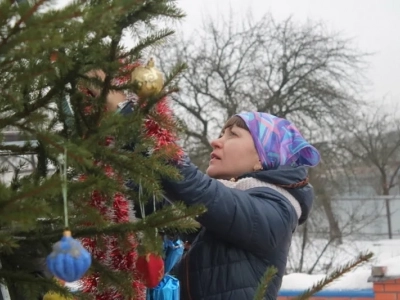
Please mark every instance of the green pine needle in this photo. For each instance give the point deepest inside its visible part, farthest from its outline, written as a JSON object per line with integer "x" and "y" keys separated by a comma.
{"x": 265, "y": 281}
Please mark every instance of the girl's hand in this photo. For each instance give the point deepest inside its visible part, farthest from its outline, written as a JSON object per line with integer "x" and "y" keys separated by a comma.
{"x": 113, "y": 97}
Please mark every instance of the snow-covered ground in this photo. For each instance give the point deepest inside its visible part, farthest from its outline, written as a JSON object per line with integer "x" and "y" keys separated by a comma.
{"x": 357, "y": 280}
{"x": 386, "y": 253}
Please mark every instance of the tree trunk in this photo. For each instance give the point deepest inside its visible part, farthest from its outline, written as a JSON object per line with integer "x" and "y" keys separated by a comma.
{"x": 303, "y": 246}
{"x": 385, "y": 192}
{"x": 335, "y": 233}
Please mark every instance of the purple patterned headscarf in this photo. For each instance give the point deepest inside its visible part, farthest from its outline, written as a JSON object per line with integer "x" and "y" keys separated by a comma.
{"x": 279, "y": 142}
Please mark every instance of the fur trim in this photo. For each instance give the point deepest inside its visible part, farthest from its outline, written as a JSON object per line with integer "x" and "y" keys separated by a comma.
{"x": 249, "y": 183}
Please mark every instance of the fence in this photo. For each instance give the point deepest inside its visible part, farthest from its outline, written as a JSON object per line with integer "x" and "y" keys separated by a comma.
{"x": 378, "y": 216}
{"x": 361, "y": 217}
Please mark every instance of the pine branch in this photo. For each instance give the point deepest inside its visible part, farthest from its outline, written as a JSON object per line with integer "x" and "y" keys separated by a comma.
{"x": 22, "y": 43}
{"x": 151, "y": 9}
{"x": 7, "y": 243}
{"x": 265, "y": 281}
{"x": 119, "y": 280}
{"x": 22, "y": 19}
{"x": 167, "y": 9}
{"x": 177, "y": 217}
{"x": 152, "y": 40}
{"x": 32, "y": 280}
{"x": 45, "y": 100}
{"x": 28, "y": 192}
{"x": 176, "y": 72}
{"x": 337, "y": 273}
{"x": 56, "y": 142}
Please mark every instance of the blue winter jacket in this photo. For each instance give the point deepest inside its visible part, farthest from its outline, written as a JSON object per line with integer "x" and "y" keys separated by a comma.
{"x": 244, "y": 232}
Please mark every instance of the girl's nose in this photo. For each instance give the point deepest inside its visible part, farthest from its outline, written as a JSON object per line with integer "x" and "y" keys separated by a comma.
{"x": 217, "y": 143}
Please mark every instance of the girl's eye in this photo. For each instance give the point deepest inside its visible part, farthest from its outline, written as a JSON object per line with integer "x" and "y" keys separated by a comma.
{"x": 228, "y": 132}
{"x": 232, "y": 133}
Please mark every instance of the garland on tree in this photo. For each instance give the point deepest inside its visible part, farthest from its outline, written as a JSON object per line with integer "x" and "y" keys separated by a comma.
{"x": 121, "y": 209}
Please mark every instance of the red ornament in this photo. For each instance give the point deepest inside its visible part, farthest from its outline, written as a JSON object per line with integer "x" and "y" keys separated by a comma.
{"x": 150, "y": 268}
{"x": 53, "y": 56}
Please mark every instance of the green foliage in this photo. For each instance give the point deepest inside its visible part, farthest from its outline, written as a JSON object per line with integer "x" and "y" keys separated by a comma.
{"x": 264, "y": 282}
{"x": 45, "y": 54}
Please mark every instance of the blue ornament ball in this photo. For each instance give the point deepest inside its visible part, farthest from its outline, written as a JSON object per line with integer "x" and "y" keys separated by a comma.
{"x": 69, "y": 261}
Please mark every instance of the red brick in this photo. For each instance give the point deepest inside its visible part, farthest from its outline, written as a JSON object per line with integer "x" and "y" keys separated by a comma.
{"x": 389, "y": 282}
{"x": 379, "y": 287}
{"x": 392, "y": 287}
{"x": 386, "y": 296}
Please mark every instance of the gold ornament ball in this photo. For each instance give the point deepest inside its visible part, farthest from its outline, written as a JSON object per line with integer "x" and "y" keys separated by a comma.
{"x": 55, "y": 296}
{"x": 52, "y": 295}
{"x": 149, "y": 81}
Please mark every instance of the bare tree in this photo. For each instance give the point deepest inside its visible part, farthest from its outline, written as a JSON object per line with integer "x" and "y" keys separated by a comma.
{"x": 373, "y": 141}
{"x": 297, "y": 71}
{"x": 361, "y": 153}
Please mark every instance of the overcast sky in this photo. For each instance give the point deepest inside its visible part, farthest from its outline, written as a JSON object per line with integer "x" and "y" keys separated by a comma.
{"x": 374, "y": 25}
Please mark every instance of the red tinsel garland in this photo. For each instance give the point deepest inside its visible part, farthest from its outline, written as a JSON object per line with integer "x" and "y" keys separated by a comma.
{"x": 120, "y": 212}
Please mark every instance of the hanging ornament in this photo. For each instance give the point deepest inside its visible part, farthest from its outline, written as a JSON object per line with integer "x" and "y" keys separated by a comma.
{"x": 69, "y": 261}
{"x": 148, "y": 80}
{"x": 150, "y": 268}
{"x": 54, "y": 296}
{"x": 53, "y": 56}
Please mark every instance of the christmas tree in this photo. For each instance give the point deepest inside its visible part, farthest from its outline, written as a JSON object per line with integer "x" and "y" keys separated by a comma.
{"x": 93, "y": 171}
{"x": 54, "y": 96}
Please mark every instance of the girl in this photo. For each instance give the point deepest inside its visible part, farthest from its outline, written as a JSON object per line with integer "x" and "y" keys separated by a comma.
{"x": 256, "y": 192}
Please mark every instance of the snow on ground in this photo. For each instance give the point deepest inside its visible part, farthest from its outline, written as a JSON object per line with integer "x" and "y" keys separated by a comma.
{"x": 386, "y": 253}
{"x": 356, "y": 280}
